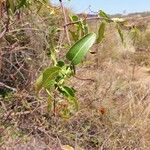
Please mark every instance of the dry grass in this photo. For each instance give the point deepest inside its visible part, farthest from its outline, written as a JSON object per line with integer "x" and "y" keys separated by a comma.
{"x": 114, "y": 109}
{"x": 114, "y": 112}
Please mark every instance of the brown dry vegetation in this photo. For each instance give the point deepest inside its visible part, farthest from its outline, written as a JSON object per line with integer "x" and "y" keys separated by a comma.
{"x": 114, "y": 93}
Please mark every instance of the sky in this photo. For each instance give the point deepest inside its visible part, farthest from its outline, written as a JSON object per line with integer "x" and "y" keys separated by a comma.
{"x": 109, "y": 6}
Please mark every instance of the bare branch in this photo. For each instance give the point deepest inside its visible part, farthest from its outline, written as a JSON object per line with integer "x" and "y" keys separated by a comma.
{"x": 65, "y": 21}
{"x": 8, "y": 87}
{"x": 3, "y": 33}
{"x": 90, "y": 18}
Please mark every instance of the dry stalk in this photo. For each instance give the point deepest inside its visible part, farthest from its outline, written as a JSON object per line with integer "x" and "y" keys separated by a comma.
{"x": 65, "y": 21}
{"x": 8, "y": 87}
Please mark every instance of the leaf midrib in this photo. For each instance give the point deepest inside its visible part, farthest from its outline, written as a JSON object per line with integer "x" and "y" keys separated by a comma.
{"x": 81, "y": 48}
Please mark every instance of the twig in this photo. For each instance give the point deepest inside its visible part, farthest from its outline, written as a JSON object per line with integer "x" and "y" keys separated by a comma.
{"x": 65, "y": 21}
{"x": 17, "y": 69}
{"x": 105, "y": 141}
{"x": 90, "y": 18}
{"x": 3, "y": 33}
{"x": 6, "y": 28}
{"x": 83, "y": 79}
{"x": 8, "y": 87}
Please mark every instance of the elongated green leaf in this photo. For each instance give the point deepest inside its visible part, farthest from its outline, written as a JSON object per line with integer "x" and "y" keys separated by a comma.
{"x": 101, "y": 32}
{"x": 49, "y": 75}
{"x": 80, "y": 48}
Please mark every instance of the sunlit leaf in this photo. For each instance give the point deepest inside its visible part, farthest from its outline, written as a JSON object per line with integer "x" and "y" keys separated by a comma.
{"x": 80, "y": 48}
{"x": 101, "y": 31}
{"x": 49, "y": 75}
{"x": 47, "y": 78}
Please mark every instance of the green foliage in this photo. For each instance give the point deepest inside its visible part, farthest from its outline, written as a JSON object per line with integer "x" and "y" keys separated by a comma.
{"x": 12, "y": 6}
{"x": 101, "y": 31}
{"x": 80, "y": 27}
{"x": 53, "y": 79}
{"x": 49, "y": 75}
{"x": 77, "y": 52}
{"x": 104, "y": 16}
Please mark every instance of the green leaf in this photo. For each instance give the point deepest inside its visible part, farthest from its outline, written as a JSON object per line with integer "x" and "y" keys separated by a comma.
{"x": 101, "y": 32}
{"x": 80, "y": 48}
{"x": 104, "y": 16}
{"x": 69, "y": 93}
{"x": 60, "y": 63}
{"x": 49, "y": 75}
{"x": 74, "y": 18}
{"x": 47, "y": 78}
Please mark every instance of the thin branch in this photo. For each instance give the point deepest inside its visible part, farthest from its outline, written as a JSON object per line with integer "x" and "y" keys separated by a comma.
{"x": 65, "y": 21}
{"x": 8, "y": 87}
{"x": 3, "y": 33}
{"x": 83, "y": 79}
{"x": 98, "y": 18}
{"x": 6, "y": 28}
{"x": 90, "y": 18}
